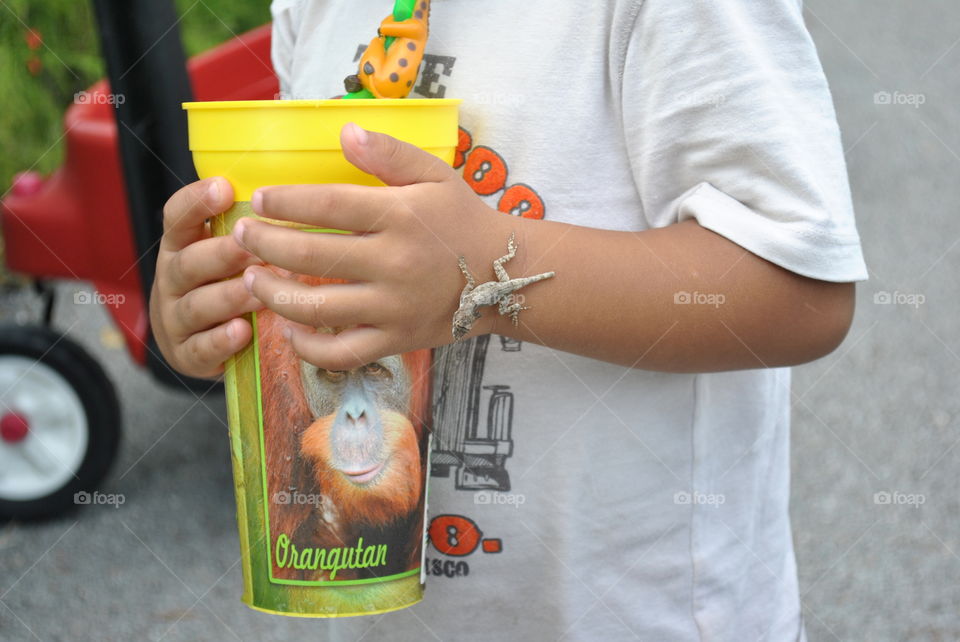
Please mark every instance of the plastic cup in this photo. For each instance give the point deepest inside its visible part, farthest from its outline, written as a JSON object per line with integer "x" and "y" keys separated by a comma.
{"x": 330, "y": 468}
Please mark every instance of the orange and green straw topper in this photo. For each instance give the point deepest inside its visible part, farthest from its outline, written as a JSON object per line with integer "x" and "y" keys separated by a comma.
{"x": 389, "y": 66}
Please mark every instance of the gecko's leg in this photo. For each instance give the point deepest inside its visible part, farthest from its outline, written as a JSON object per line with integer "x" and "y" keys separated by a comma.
{"x": 512, "y": 310}
{"x": 502, "y": 275}
{"x": 471, "y": 282}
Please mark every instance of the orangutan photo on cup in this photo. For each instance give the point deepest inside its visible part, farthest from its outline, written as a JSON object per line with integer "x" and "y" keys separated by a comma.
{"x": 346, "y": 462}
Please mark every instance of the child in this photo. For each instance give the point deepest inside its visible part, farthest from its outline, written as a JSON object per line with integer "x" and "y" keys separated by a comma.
{"x": 686, "y": 164}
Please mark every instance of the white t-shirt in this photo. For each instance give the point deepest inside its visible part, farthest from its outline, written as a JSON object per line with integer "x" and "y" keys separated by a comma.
{"x": 575, "y": 498}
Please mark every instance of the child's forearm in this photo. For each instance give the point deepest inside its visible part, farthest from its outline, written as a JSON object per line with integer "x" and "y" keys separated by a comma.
{"x": 674, "y": 299}
{"x": 678, "y": 299}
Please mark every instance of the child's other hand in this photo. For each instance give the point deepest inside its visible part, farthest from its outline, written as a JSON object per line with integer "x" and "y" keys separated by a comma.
{"x": 401, "y": 260}
{"x": 193, "y": 311}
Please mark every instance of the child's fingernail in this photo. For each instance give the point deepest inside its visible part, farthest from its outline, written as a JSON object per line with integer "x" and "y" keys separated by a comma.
{"x": 231, "y": 331}
{"x": 360, "y": 134}
{"x": 238, "y": 232}
{"x": 248, "y": 277}
{"x": 257, "y": 202}
{"x": 213, "y": 193}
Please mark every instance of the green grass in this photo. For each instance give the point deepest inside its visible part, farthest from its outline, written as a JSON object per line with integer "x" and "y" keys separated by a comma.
{"x": 50, "y": 50}
{"x": 37, "y": 84}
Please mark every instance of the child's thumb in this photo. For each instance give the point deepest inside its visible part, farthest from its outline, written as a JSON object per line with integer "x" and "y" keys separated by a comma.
{"x": 393, "y": 161}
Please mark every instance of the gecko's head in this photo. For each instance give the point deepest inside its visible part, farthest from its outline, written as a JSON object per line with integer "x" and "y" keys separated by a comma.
{"x": 463, "y": 321}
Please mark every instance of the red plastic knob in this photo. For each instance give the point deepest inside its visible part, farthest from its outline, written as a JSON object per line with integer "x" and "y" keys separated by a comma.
{"x": 14, "y": 427}
{"x": 26, "y": 184}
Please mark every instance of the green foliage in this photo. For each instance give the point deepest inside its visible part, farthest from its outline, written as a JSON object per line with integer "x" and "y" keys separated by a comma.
{"x": 39, "y": 74}
{"x": 206, "y": 23}
{"x": 38, "y": 82}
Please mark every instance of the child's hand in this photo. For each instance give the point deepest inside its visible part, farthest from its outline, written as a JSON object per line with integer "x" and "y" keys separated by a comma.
{"x": 193, "y": 313}
{"x": 401, "y": 261}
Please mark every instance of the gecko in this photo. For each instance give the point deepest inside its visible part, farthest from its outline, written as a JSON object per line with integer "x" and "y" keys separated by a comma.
{"x": 499, "y": 292}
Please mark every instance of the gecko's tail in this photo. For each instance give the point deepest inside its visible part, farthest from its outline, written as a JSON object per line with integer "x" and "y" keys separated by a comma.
{"x": 542, "y": 277}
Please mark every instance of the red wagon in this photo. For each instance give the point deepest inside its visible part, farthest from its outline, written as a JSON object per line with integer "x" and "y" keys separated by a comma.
{"x": 99, "y": 219}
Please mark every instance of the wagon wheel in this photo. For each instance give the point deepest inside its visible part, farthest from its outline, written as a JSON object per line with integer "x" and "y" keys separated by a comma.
{"x": 59, "y": 422}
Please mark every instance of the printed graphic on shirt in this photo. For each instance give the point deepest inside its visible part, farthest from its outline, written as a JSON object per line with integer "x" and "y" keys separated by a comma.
{"x": 486, "y": 172}
{"x": 456, "y": 537}
{"x": 473, "y": 455}
{"x": 476, "y": 455}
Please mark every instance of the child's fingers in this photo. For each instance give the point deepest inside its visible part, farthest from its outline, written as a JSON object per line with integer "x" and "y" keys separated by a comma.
{"x": 206, "y": 351}
{"x": 185, "y": 212}
{"x": 211, "y": 304}
{"x": 355, "y": 208}
{"x": 342, "y": 256}
{"x": 347, "y": 350}
{"x": 202, "y": 262}
{"x": 330, "y": 305}
{"x": 393, "y": 161}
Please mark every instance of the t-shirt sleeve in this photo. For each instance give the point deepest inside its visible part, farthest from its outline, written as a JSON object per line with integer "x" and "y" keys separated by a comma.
{"x": 284, "y": 35}
{"x": 729, "y": 120}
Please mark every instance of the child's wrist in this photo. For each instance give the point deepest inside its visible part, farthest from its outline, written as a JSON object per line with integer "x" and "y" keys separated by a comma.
{"x": 492, "y": 231}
